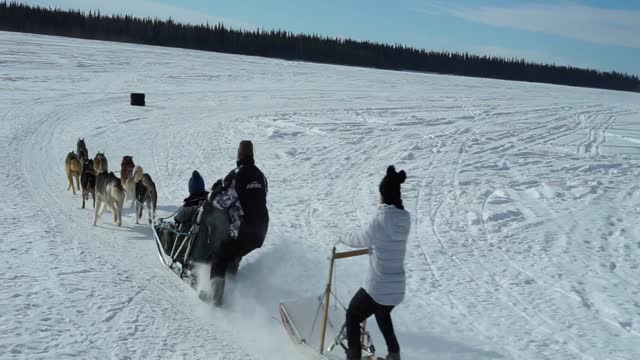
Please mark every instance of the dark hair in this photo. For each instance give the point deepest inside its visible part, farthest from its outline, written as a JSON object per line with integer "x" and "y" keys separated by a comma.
{"x": 245, "y": 150}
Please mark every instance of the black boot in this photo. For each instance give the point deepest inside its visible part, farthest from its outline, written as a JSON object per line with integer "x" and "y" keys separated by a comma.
{"x": 206, "y": 296}
{"x": 217, "y": 285}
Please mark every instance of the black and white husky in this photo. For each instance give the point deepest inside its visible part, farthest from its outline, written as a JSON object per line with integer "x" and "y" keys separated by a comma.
{"x": 146, "y": 194}
{"x": 88, "y": 182}
{"x": 109, "y": 192}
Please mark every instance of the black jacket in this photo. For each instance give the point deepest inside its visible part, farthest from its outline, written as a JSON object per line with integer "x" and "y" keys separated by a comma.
{"x": 252, "y": 187}
{"x": 189, "y": 207}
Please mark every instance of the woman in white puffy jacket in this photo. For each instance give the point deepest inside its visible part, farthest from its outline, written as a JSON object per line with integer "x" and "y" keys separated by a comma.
{"x": 386, "y": 238}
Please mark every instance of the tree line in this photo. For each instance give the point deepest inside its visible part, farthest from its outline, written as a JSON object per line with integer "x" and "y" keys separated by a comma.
{"x": 282, "y": 44}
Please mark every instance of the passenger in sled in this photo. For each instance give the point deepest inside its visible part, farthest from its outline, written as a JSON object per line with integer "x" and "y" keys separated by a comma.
{"x": 184, "y": 219}
{"x": 190, "y": 204}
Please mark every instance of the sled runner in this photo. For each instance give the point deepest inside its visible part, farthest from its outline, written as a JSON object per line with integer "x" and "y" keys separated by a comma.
{"x": 319, "y": 329}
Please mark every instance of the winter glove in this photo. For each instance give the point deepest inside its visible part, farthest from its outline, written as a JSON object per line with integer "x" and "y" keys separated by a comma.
{"x": 216, "y": 189}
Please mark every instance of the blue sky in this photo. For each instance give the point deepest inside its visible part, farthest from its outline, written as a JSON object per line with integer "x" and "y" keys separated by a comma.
{"x": 604, "y": 35}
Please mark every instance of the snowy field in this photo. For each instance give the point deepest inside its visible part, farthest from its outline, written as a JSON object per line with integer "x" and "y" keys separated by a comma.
{"x": 525, "y": 203}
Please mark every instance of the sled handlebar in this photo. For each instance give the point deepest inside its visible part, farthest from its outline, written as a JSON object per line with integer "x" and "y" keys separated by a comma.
{"x": 346, "y": 254}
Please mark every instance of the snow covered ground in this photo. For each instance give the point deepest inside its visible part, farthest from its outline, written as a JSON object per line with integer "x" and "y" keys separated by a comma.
{"x": 524, "y": 197}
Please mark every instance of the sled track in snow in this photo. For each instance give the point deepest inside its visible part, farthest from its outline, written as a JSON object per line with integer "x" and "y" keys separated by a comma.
{"x": 511, "y": 300}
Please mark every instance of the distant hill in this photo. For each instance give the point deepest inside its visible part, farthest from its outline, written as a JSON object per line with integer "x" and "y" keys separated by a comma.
{"x": 286, "y": 45}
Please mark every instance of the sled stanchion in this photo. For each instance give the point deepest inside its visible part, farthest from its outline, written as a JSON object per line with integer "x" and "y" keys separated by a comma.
{"x": 327, "y": 293}
{"x": 327, "y": 296}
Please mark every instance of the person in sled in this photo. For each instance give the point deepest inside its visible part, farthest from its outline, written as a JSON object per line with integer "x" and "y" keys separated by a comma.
{"x": 190, "y": 204}
{"x": 185, "y": 217}
{"x": 243, "y": 192}
{"x": 386, "y": 238}
{"x": 213, "y": 226}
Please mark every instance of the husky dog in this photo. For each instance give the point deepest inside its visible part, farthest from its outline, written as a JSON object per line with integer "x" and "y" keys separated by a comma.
{"x": 131, "y": 183}
{"x": 88, "y": 182}
{"x": 109, "y": 192}
{"x": 126, "y": 175}
{"x": 145, "y": 194}
{"x": 73, "y": 168}
{"x": 100, "y": 163}
{"x": 81, "y": 150}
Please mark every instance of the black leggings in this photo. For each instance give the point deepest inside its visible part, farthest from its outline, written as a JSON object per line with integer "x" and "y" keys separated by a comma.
{"x": 360, "y": 308}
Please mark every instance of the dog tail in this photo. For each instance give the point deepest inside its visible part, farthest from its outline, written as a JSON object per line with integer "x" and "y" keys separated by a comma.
{"x": 138, "y": 173}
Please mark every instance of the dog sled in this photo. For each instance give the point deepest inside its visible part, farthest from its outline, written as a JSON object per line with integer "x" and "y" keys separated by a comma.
{"x": 191, "y": 241}
{"x": 318, "y": 329}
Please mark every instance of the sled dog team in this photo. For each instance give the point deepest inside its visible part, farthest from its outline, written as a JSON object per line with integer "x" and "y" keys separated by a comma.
{"x": 92, "y": 177}
{"x": 238, "y": 204}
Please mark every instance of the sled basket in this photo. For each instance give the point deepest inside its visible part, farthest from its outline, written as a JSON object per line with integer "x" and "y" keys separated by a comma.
{"x": 174, "y": 247}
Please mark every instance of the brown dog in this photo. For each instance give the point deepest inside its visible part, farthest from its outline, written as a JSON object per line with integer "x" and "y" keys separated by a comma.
{"x": 100, "y": 163}
{"x": 73, "y": 169}
{"x": 126, "y": 175}
{"x": 126, "y": 168}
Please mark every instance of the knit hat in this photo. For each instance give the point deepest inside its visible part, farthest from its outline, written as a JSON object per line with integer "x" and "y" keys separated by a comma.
{"x": 390, "y": 187}
{"x": 196, "y": 183}
{"x": 245, "y": 150}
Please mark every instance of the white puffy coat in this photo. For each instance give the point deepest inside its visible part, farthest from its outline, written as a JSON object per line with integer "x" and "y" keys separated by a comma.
{"x": 386, "y": 237}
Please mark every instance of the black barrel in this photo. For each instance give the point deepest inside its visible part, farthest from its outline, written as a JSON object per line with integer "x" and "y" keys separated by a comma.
{"x": 137, "y": 99}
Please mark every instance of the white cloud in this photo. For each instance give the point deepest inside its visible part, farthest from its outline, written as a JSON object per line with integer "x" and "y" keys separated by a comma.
{"x": 596, "y": 25}
{"x": 143, "y": 8}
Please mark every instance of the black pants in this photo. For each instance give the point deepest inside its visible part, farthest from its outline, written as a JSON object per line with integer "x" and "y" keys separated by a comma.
{"x": 250, "y": 237}
{"x": 223, "y": 257}
{"x": 360, "y": 308}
